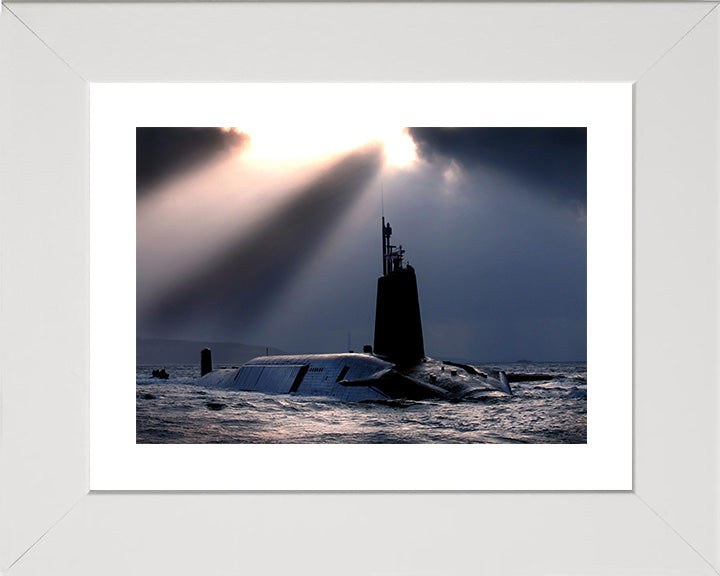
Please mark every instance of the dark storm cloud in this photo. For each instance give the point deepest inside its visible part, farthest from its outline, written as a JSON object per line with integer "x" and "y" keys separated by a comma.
{"x": 553, "y": 159}
{"x": 163, "y": 152}
{"x": 241, "y": 283}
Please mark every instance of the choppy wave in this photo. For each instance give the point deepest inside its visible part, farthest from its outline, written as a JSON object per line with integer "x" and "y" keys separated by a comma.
{"x": 549, "y": 405}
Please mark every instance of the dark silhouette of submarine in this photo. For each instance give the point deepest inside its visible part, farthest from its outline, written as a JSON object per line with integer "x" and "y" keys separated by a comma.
{"x": 395, "y": 368}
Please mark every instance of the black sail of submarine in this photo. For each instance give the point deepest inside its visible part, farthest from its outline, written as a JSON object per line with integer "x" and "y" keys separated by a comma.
{"x": 398, "y": 328}
{"x": 397, "y": 369}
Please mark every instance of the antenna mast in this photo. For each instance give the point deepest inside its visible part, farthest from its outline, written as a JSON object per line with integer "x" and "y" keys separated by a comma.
{"x": 382, "y": 213}
{"x": 392, "y": 256}
{"x": 384, "y": 247}
{"x": 382, "y": 198}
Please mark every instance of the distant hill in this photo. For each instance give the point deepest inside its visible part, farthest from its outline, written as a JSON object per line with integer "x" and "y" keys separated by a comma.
{"x": 160, "y": 352}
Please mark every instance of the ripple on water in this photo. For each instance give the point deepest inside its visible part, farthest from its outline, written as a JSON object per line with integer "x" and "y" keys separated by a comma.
{"x": 177, "y": 411}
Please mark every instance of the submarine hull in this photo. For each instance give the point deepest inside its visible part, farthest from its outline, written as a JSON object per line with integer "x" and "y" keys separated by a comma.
{"x": 354, "y": 377}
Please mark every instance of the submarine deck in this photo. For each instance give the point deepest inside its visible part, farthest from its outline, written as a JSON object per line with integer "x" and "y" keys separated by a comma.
{"x": 356, "y": 377}
{"x": 329, "y": 375}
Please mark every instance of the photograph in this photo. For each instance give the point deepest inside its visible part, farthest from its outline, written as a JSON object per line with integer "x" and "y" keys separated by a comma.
{"x": 364, "y": 285}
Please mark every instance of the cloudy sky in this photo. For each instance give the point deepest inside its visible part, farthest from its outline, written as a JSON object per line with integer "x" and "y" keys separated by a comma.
{"x": 272, "y": 237}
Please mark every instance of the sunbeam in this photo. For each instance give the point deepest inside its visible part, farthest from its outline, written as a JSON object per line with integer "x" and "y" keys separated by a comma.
{"x": 240, "y": 282}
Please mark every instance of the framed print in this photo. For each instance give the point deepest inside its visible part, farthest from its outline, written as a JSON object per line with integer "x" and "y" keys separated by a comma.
{"x": 56, "y": 57}
{"x": 124, "y": 458}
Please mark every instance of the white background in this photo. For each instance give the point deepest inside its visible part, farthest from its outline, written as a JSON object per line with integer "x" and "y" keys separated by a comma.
{"x": 605, "y": 463}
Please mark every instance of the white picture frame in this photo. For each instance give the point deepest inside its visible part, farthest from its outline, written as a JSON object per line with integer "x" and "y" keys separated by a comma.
{"x": 49, "y": 523}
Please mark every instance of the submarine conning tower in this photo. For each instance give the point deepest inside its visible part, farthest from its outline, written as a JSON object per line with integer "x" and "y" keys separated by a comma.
{"x": 398, "y": 329}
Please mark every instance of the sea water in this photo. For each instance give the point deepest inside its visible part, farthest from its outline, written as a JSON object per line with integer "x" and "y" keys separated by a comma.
{"x": 548, "y": 405}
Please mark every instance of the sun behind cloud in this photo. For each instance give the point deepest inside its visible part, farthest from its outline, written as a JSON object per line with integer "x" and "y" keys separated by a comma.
{"x": 400, "y": 149}
{"x": 277, "y": 144}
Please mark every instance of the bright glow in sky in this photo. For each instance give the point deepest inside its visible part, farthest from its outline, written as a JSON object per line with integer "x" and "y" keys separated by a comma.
{"x": 273, "y": 144}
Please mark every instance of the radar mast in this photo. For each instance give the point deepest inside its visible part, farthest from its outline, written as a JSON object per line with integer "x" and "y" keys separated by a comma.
{"x": 393, "y": 256}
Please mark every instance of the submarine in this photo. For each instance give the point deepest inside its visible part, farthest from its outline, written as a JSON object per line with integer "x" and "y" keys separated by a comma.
{"x": 394, "y": 368}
